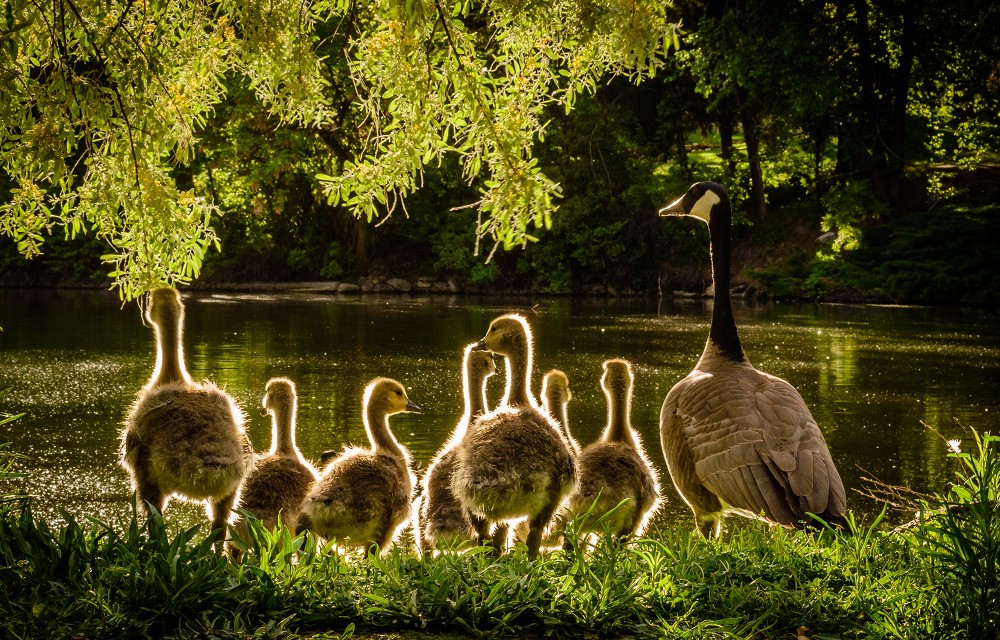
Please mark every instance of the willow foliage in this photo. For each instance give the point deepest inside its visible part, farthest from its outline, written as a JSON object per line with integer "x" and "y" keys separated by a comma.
{"x": 475, "y": 79}
{"x": 104, "y": 98}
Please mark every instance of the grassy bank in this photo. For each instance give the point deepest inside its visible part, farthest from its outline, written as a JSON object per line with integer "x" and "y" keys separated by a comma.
{"x": 938, "y": 578}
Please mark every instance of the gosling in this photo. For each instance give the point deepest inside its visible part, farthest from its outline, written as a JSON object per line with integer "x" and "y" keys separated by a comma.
{"x": 555, "y": 396}
{"x": 362, "y": 498}
{"x": 276, "y": 488}
{"x": 183, "y": 438}
{"x": 513, "y": 463}
{"x": 616, "y": 480}
{"x": 443, "y": 521}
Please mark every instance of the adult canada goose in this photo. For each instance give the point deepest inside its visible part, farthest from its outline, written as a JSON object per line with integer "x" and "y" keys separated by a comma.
{"x": 514, "y": 462}
{"x": 555, "y": 397}
{"x": 443, "y": 521}
{"x": 363, "y": 496}
{"x": 183, "y": 438}
{"x": 615, "y": 468}
{"x": 282, "y": 478}
{"x": 736, "y": 438}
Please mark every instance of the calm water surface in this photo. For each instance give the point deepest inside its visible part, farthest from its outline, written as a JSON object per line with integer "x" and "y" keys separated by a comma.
{"x": 872, "y": 376}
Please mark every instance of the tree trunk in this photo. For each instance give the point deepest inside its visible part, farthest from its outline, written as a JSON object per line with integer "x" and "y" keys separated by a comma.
{"x": 861, "y": 146}
{"x": 726, "y": 144}
{"x": 898, "y": 92}
{"x": 681, "y": 154}
{"x": 756, "y": 207}
{"x": 361, "y": 244}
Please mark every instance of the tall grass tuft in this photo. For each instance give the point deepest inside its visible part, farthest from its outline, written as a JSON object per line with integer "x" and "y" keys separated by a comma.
{"x": 139, "y": 582}
{"x": 961, "y": 537}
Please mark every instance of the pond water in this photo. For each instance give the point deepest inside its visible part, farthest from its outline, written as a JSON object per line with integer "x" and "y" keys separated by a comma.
{"x": 872, "y": 376}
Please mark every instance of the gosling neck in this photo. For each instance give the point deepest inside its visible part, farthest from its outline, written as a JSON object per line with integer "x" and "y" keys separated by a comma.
{"x": 722, "y": 335}
{"x": 518, "y": 363}
{"x": 559, "y": 409}
{"x": 283, "y": 430}
{"x": 562, "y": 415}
{"x": 377, "y": 426}
{"x": 169, "y": 351}
{"x": 475, "y": 396}
{"x": 619, "y": 427}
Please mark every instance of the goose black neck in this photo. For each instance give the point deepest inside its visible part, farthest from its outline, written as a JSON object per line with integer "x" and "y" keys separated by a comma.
{"x": 723, "y": 333}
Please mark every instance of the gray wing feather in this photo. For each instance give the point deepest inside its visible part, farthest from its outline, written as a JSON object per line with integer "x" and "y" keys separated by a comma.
{"x": 756, "y": 446}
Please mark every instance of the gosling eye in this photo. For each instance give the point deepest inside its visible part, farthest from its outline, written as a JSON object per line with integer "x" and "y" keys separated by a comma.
{"x": 399, "y": 393}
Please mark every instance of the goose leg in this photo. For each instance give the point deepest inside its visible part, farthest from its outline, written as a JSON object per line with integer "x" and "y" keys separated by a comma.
{"x": 709, "y": 524}
{"x": 499, "y": 538}
{"x": 151, "y": 496}
{"x": 220, "y": 522}
{"x": 482, "y": 528}
{"x": 707, "y": 510}
{"x": 636, "y": 521}
{"x": 568, "y": 544}
{"x": 537, "y": 524}
{"x": 302, "y": 523}
{"x": 535, "y": 537}
{"x": 426, "y": 546}
{"x": 384, "y": 540}
{"x": 148, "y": 491}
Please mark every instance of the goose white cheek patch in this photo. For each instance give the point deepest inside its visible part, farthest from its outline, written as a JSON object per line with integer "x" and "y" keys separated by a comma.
{"x": 703, "y": 208}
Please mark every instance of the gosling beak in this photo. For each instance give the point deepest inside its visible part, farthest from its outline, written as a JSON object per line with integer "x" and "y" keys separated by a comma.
{"x": 412, "y": 407}
{"x": 480, "y": 346}
{"x": 675, "y": 208}
{"x": 263, "y": 412}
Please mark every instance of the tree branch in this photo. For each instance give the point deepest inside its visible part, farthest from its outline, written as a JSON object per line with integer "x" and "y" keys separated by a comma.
{"x": 114, "y": 89}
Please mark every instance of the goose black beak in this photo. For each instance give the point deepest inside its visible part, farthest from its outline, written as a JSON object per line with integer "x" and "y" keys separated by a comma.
{"x": 412, "y": 407}
{"x": 480, "y": 346}
{"x": 675, "y": 208}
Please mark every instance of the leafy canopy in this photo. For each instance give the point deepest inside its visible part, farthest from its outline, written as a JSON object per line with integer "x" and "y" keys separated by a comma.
{"x": 104, "y": 99}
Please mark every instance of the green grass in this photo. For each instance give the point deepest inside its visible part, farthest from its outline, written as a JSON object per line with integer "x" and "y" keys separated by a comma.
{"x": 935, "y": 579}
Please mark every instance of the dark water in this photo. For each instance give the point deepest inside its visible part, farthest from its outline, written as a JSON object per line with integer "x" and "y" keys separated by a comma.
{"x": 72, "y": 362}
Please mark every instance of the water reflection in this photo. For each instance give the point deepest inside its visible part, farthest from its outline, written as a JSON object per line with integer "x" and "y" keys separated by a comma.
{"x": 74, "y": 360}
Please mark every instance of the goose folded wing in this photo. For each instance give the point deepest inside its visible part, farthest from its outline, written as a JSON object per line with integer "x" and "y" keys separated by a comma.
{"x": 725, "y": 433}
{"x": 796, "y": 444}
